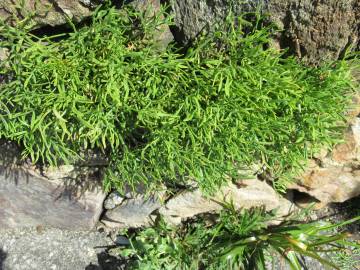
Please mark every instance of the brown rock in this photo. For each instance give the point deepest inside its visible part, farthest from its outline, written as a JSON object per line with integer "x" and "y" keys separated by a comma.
{"x": 315, "y": 30}
{"x": 332, "y": 184}
{"x": 346, "y": 151}
{"x": 337, "y": 178}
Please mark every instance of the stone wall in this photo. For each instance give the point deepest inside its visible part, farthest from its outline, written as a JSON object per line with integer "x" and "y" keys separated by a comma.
{"x": 315, "y": 30}
{"x": 71, "y": 196}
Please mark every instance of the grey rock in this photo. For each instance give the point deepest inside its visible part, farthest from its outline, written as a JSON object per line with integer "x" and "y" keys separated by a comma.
{"x": 132, "y": 213}
{"x": 122, "y": 240}
{"x": 27, "y": 199}
{"x": 314, "y": 30}
{"x": 114, "y": 199}
{"x": 251, "y": 193}
{"x": 50, "y": 248}
{"x": 193, "y": 17}
{"x": 162, "y": 36}
{"x": 47, "y": 12}
{"x": 53, "y": 13}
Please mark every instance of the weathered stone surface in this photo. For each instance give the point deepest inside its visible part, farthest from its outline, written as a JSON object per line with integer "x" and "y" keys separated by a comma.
{"x": 321, "y": 30}
{"x": 3, "y": 54}
{"x": 132, "y": 213}
{"x": 53, "y": 13}
{"x": 48, "y": 12}
{"x": 250, "y": 193}
{"x": 162, "y": 35}
{"x": 27, "y": 199}
{"x": 52, "y": 249}
{"x": 195, "y": 16}
{"x": 314, "y": 30}
{"x": 114, "y": 199}
{"x": 335, "y": 176}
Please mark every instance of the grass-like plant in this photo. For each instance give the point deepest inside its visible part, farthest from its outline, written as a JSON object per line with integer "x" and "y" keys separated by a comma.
{"x": 347, "y": 259}
{"x": 239, "y": 240}
{"x": 163, "y": 116}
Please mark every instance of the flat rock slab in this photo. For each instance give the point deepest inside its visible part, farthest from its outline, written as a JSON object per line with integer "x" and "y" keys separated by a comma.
{"x": 253, "y": 193}
{"x": 51, "y": 249}
{"x": 28, "y": 200}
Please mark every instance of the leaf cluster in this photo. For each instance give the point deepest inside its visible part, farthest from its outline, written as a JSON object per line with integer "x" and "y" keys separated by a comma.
{"x": 239, "y": 240}
{"x": 163, "y": 116}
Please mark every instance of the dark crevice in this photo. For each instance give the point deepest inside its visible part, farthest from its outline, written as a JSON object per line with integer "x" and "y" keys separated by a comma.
{"x": 107, "y": 261}
{"x": 3, "y": 256}
{"x": 345, "y": 211}
{"x": 66, "y": 29}
{"x": 56, "y": 6}
{"x": 303, "y": 198}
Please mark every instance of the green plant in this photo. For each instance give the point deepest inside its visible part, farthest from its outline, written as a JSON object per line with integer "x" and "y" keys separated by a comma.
{"x": 239, "y": 240}
{"x": 347, "y": 259}
{"x": 163, "y": 116}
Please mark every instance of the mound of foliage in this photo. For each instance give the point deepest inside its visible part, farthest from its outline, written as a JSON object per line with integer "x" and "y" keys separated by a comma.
{"x": 240, "y": 240}
{"x": 167, "y": 116}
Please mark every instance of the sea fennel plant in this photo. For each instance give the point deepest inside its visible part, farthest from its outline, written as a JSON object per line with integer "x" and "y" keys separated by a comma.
{"x": 165, "y": 116}
{"x": 238, "y": 240}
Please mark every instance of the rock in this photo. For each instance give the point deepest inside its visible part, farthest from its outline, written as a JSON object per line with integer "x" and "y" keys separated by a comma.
{"x": 162, "y": 35}
{"x": 114, "y": 199}
{"x": 194, "y": 16}
{"x": 336, "y": 176}
{"x": 54, "y": 13}
{"x": 314, "y": 30}
{"x": 121, "y": 240}
{"x": 48, "y": 12}
{"x": 67, "y": 196}
{"x": 60, "y": 172}
{"x": 132, "y": 213}
{"x": 3, "y": 54}
{"x": 251, "y": 193}
{"x": 319, "y": 30}
{"x": 29, "y": 249}
{"x": 28, "y": 199}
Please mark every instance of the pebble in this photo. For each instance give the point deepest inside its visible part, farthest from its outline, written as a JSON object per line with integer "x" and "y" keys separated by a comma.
{"x": 113, "y": 200}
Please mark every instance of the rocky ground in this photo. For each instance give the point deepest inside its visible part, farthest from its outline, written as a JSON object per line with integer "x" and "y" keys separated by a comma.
{"x": 54, "y": 249}
{"x": 308, "y": 34}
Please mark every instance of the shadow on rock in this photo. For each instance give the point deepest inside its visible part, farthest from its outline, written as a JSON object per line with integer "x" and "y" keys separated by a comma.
{"x": 2, "y": 259}
{"x": 107, "y": 262}
{"x": 345, "y": 211}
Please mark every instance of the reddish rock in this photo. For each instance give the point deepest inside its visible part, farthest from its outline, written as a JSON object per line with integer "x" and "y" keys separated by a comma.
{"x": 336, "y": 176}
